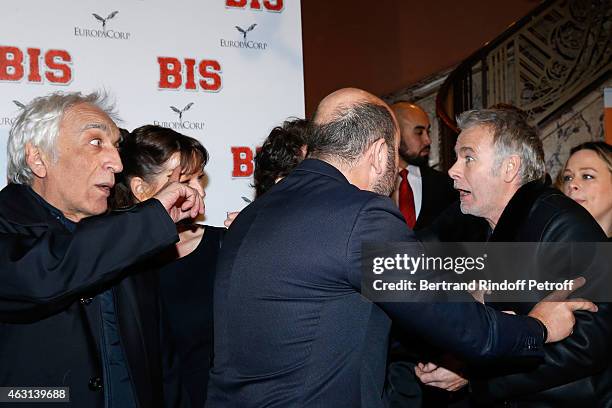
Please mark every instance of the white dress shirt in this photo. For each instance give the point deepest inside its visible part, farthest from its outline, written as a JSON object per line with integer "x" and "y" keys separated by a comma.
{"x": 416, "y": 183}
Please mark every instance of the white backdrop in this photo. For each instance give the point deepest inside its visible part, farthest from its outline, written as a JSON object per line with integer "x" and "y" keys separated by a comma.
{"x": 236, "y": 65}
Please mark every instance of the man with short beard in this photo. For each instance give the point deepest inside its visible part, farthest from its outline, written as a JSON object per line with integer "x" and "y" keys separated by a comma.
{"x": 292, "y": 328}
{"x": 421, "y": 192}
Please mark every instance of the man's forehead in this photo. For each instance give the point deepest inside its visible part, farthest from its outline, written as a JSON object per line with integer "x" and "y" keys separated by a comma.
{"x": 476, "y": 138}
{"x": 413, "y": 118}
{"x": 87, "y": 113}
{"x": 84, "y": 116}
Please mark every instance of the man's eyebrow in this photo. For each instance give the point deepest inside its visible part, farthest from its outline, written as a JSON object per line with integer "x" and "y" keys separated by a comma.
{"x": 101, "y": 126}
{"x": 466, "y": 149}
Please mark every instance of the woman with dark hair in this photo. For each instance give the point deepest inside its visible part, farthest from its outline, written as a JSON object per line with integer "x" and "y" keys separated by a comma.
{"x": 587, "y": 179}
{"x": 281, "y": 152}
{"x": 152, "y": 156}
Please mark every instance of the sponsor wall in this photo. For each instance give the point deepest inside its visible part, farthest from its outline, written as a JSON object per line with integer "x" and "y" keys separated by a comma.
{"x": 222, "y": 71}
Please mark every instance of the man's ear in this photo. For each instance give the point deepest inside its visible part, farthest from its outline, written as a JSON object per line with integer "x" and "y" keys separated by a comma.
{"x": 511, "y": 168}
{"x": 139, "y": 188}
{"x": 377, "y": 154}
{"x": 35, "y": 160}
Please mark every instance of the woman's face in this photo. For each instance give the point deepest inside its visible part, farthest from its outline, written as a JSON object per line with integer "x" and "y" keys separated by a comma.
{"x": 588, "y": 181}
{"x": 170, "y": 172}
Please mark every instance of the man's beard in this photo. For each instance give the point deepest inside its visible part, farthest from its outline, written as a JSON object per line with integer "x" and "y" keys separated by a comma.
{"x": 386, "y": 183}
{"x": 415, "y": 160}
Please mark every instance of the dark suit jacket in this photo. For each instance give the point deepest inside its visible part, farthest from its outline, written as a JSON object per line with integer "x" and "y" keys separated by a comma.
{"x": 438, "y": 193}
{"x": 291, "y": 327}
{"x": 49, "y": 312}
{"x": 578, "y": 370}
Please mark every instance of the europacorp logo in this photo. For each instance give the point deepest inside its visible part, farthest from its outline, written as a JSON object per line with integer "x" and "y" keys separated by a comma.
{"x": 7, "y": 121}
{"x": 102, "y": 31}
{"x": 181, "y": 123}
{"x": 244, "y": 39}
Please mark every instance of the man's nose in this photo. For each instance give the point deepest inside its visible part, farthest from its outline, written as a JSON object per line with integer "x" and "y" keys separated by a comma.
{"x": 113, "y": 161}
{"x": 427, "y": 138}
{"x": 454, "y": 171}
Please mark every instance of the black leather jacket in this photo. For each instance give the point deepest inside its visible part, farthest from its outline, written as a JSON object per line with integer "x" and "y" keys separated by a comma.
{"x": 576, "y": 372}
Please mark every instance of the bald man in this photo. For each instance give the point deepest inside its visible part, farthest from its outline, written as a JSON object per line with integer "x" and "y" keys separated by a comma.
{"x": 421, "y": 192}
{"x": 291, "y": 326}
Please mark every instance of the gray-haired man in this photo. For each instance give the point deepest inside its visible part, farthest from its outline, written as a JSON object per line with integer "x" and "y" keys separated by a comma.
{"x": 61, "y": 324}
{"x": 500, "y": 175}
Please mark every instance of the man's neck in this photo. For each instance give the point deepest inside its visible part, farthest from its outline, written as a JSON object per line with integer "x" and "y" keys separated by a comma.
{"x": 354, "y": 175}
{"x": 495, "y": 215}
{"x": 40, "y": 189}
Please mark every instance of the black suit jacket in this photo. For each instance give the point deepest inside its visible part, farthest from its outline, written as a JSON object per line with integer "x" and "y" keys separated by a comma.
{"x": 291, "y": 327}
{"x": 49, "y": 312}
{"x": 578, "y": 370}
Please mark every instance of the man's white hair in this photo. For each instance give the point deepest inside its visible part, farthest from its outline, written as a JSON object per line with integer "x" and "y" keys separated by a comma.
{"x": 39, "y": 123}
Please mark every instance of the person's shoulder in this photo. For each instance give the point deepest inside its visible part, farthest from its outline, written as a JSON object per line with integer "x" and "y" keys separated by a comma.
{"x": 380, "y": 210}
{"x": 554, "y": 202}
{"x": 12, "y": 190}
{"x": 566, "y": 220}
{"x": 18, "y": 205}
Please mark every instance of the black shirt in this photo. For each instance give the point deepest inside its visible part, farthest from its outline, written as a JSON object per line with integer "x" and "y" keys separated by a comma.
{"x": 186, "y": 286}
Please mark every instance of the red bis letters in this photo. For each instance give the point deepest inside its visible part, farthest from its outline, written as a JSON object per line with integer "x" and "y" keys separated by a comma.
{"x": 270, "y": 5}
{"x": 14, "y": 65}
{"x": 242, "y": 157}
{"x": 243, "y": 161}
{"x": 172, "y": 75}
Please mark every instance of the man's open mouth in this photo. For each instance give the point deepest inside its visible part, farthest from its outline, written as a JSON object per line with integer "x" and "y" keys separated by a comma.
{"x": 105, "y": 187}
{"x": 462, "y": 192}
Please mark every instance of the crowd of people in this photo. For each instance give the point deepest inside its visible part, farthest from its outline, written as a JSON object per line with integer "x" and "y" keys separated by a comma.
{"x": 109, "y": 286}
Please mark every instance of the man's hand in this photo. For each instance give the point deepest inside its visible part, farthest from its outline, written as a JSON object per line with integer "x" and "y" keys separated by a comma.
{"x": 440, "y": 377}
{"x": 556, "y": 313}
{"x": 180, "y": 201}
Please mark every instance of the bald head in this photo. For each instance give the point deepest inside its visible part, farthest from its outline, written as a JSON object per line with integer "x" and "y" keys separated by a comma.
{"x": 347, "y": 122}
{"x": 334, "y": 104}
{"x": 356, "y": 132}
{"x": 415, "y": 130}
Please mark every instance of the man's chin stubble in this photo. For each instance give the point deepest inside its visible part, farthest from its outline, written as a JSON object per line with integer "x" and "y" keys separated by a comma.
{"x": 418, "y": 161}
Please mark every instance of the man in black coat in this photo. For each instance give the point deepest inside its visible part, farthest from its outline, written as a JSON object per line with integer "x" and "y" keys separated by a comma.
{"x": 68, "y": 316}
{"x": 291, "y": 326}
{"x": 500, "y": 175}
